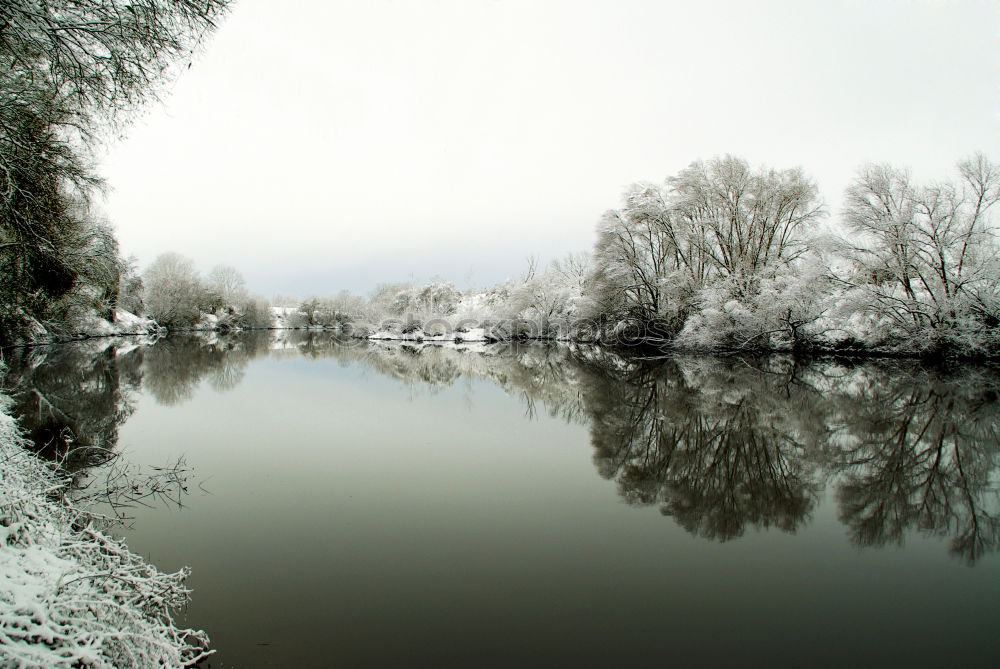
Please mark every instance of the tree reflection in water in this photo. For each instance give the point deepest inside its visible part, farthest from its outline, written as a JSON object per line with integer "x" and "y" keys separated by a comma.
{"x": 723, "y": 443}
{"x": 718, "y": 444}
{"x": 70, "y": 400}
{"x": 919, "y": 450}
{"x": 711, "y": 443}
{"x": 176, "y": 366}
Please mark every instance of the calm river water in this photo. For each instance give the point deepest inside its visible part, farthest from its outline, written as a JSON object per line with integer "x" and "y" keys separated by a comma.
{"x": 361, "y": 505}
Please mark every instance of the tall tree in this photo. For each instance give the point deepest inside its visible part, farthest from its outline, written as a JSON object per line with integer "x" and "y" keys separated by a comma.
{"x": 173, "y": 290}
{"x": 70, "y": 71}
{"x": 927, "y": 254}
{"x": 716, "y": 221}
{"x": 227, "y": 284}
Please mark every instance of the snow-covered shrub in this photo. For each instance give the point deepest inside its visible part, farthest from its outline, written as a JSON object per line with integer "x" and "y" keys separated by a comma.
{"x": 784, "y": 311}
{"x": 722, "y": 322}
{"x": 438, "y": 298}
{"x": 70, "y": 595}
{"x": 317, "y": 312}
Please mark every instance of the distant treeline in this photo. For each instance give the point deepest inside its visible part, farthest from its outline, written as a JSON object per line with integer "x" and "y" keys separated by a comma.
{"x": 723, "y": 256}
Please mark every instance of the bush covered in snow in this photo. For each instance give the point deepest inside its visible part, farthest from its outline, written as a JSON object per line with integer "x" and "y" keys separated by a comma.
{"x": 70, "y": 595}
{"x": 324, "y": 312}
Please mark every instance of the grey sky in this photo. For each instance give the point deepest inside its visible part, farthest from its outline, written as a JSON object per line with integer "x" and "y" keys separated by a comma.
{"x": 319, "y": 145}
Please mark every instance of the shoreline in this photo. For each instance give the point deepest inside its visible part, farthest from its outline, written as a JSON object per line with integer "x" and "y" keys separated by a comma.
{"x": 640, "y": 349}
{"x": 70, "y": 593}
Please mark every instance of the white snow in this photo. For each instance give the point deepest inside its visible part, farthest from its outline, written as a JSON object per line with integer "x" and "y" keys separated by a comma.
{"x": 92, "y": 325}
{"x": 128, "y": 323}
{"x": 207, "y": 322}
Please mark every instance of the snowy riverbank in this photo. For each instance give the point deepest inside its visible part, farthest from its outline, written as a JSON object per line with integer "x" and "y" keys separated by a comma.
{"x": 71, "y": 595}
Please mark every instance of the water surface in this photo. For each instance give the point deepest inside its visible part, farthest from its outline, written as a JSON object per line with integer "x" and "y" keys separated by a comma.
{"x": 355, "y": 505}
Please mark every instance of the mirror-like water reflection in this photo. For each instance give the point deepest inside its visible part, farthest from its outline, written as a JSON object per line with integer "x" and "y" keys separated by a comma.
{"x": 438, "y": 506}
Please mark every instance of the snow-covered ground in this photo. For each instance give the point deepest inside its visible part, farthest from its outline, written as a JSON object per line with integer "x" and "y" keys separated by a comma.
{"x": 126, "y": 323}
{"x": 70, "y": 595}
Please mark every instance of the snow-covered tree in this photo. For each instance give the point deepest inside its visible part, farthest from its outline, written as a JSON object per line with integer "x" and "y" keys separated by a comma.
{"x": 741, "y": 223}
{"x": 547, "y": 304}
{"x": 438, "y": 298}
{"x": 227, "y": 284}
{"x": 90, "y": 253}
{"x": 130, "y": 291}
{"x": 173, "y": 290}
{"x": 719, "y": 224}
{"x": 69, "y": 71}
{"x": 925, "y": 258}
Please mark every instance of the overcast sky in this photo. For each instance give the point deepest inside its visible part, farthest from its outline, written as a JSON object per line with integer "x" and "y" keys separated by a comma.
{"x": 318, "y": 145}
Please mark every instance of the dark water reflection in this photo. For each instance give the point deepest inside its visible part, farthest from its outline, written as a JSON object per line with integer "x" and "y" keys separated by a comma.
{"x": 720, "y": 446}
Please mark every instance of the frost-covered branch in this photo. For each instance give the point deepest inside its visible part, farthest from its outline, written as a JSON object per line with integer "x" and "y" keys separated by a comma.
{"x": 70, "y": 595}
